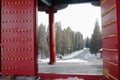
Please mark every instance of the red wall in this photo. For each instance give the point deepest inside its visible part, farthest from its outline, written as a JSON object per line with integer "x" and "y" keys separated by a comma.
{"x": 110, "y": 39}
{"x": 118, "y": 23}
{"x": 51, "y": 76}
{"x": 18, "y": 38}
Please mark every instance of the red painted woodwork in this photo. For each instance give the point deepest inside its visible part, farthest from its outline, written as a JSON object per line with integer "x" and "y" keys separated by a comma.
{"x": 106, "y": 4}
{"x": 110, "y": 35}
{"x": 112, "y": 70}
{"x": 118, "y": 23}
{"x": 109, "y": 43}
{"x": 52, "y": 36}
{"x": 51, "y": 76}
{"x": 112, "y": 29}
{"x": 18, "y": 40}
{"x": 19, "y": 43}
{"x": 107, "y": 55}
{"x": 0, "y": 38}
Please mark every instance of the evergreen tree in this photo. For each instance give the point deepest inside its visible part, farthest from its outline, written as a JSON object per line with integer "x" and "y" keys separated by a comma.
{"x": 73, "y": 41}
{"x": 79, "y": 42}
{"x": 96, "y": 41}
{"x": 58, "y": 37}
{"x": 87, "y": 44}
{"x": 64, "y": 42}
{"x": 42, "y": 41}
{"x": 67, "y": 41}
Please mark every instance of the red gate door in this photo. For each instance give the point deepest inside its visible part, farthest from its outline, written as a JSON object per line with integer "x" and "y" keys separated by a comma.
{"x": 110, "y": 35}
{"x": 0, "y": 39}
{"x": 18, "y": 37}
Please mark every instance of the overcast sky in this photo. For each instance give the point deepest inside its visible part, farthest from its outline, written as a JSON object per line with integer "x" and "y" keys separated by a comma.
{"x": 80, "y": 17}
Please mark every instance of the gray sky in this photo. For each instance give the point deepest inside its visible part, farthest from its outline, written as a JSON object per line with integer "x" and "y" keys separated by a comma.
{"x": 80, "y": 17}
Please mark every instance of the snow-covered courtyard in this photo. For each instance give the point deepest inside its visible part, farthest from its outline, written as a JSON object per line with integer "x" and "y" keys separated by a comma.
{"x": 78, "y": 62}
{"x": 88, "y": 58}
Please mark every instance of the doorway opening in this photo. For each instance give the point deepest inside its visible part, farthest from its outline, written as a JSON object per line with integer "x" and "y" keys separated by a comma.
{"x": 74, "y": 30}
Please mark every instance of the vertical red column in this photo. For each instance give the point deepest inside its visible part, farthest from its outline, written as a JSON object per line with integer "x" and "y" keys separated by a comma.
{"x": 52, "y": 36}
{"x": 0, "y": 39}
{"x": 118, "y": 23}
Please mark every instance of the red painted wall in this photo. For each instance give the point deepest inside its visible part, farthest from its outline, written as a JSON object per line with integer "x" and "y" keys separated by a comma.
{"x": 0, "y": 39}
{"x": 18, "y": 40}
{"x": 50, "y": 76}
{"x": 110, "y": 39}
{"x": 118, "y": 23}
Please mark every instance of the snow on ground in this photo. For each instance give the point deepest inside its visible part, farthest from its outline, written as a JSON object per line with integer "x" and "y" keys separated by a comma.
{"x": 43, "y": 60}
{"x": 87, "y": 59}
{"x": 92, "y": 58}
{"x": 70, "y": 79}
{"x": 66, "y": 61}
{"x": 73, "y": 54}
{"x": 72, "y": 61}
{"x": 67, "y": 58}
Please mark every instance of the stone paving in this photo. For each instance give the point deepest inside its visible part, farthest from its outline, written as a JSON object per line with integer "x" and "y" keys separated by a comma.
{"x": 70, "y": 68}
